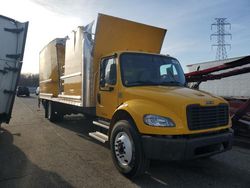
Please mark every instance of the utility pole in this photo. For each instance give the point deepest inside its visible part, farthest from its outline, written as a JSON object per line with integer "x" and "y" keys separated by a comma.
{"x": 220, "y": 34}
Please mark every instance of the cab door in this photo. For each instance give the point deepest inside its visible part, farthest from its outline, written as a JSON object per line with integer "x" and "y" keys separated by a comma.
{"x": 107, "y": 99}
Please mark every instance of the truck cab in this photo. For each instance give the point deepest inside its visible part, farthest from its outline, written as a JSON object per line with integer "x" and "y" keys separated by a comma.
{"x": 154, "y": 115}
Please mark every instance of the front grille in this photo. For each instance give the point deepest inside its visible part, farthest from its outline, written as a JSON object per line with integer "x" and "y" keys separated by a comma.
{"x": 205, "y": 117}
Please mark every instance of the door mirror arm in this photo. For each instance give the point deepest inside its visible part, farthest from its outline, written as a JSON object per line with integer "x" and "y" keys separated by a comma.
{"x": 109, "y": 87}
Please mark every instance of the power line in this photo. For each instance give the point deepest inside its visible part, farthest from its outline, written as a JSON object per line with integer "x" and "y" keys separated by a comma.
{"x": 220, "y": 34}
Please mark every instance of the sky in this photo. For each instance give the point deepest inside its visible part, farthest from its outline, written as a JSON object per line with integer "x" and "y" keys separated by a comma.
{"x": 188, "y": 23}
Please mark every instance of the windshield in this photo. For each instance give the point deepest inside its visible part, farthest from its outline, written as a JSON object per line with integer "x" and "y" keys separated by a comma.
{"x": 146, "y": 69}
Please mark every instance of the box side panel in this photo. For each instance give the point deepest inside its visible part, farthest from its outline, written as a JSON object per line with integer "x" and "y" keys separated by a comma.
{"x": 48, "y": 70}
{"x": 61, "y": 63}
{"x": 73, "y": 65}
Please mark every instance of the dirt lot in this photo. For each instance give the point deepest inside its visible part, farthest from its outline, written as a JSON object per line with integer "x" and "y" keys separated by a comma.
{"x": 37, "y": 153}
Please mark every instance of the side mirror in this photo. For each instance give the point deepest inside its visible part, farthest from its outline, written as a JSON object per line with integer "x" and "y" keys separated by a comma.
{"x": 102, "y": 82}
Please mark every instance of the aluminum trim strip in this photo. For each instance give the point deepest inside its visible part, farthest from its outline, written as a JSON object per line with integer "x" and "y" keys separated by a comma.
{"x": 70, "y": 96}
{"x": 45, "y": 81}
{"x": 62, "y": 100}
{"x": 46, "y": 94}
{"x": 71, "y": 75}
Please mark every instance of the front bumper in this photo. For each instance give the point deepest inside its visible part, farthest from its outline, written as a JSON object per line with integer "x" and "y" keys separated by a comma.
{"x": 164, "y": 148}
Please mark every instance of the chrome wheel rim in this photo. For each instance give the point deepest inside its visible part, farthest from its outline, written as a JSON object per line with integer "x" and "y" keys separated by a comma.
{"x": 123, "y": 148}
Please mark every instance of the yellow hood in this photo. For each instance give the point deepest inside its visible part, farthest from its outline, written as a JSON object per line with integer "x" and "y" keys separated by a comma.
{"x": 167, "y": 101}
{"x": 173, "y": 97}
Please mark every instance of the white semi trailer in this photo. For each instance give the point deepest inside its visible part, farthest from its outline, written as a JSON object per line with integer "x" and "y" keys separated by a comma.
{"x": 235, "y": 86}
{"x": 12, "y": 43}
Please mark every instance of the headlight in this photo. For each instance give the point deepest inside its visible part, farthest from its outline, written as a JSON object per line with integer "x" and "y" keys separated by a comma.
{"x": 158, "y": 121}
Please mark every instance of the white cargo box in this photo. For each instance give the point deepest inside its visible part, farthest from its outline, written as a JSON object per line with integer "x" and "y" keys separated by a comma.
{"x": 231, "y": 87}
{"x": 12, "y": 37}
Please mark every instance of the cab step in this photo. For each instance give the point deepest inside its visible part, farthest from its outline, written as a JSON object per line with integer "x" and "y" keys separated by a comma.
{"x": 101, "y": 123}
{"x": 99, "y": 136}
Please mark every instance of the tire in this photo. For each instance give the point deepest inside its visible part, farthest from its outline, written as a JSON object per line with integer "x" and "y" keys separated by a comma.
{"x": 50, "y": 112}
{"x": 126, "y": 150}
{"x": 59, "y": 117}
{"x": 53, "y": 115}
{"x": 45, "y": 105}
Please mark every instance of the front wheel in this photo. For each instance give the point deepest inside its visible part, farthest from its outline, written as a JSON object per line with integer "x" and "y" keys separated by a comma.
{"x": 126, "y": 149}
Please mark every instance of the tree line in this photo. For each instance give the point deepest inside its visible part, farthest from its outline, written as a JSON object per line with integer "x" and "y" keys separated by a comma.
{"x": 29, "y": 80}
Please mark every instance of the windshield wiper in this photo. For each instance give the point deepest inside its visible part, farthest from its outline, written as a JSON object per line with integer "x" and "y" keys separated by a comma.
{"x": 171, "y": 83}
{"x": 150, "y": 83}
{"x": 142, "y": 83}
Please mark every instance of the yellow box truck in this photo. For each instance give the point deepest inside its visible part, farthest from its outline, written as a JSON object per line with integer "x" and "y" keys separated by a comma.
{"x": 138, "y": 98}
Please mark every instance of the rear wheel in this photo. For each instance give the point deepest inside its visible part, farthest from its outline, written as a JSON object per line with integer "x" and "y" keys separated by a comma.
{"x": 59, "y": 117}
{"x": 126, "y": 149}
{"x": 45, "y": 105}
{"x": 51, "y": 113}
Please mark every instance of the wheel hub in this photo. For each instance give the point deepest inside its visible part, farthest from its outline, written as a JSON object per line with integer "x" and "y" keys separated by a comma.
{"x": 123, "y": 148}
